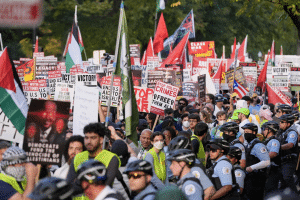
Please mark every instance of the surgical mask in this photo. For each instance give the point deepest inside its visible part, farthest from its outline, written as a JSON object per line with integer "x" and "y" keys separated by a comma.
{"x": 17, "y": 172}
{"x": 186, "y": 124}
{"x": 249, "y": 137}
{"x": 159, "y": 145}
{"x": 221, "y": 122}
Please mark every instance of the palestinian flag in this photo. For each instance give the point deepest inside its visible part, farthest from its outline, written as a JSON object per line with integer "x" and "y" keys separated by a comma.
{"x": 74, "y": 47}
{"x": 12, "y": 100}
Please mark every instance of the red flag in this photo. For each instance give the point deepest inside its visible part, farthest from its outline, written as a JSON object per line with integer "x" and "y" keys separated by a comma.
{"x": 218, "y": 74}
{"x": 263, "y": 75}
{"x": 233, "y": 49}
{"x": 6, "y": 72}
{"x": 149, "y": 52}
{"x": 276, "y": 96}
{"x": 36, "y": 48}
{"x": 143, "y": 58}
{"x": 160, "y": 35}
{"x": 242, "y": 50}
{"x": 189, "y": 48}
{"x": 176, "y": 54}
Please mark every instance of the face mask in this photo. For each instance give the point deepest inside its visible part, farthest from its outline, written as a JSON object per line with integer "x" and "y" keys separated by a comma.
{"x": 17, "y": 172}
{"x": 228, "y": 138}
{"x": 221, "y": 122}
{"x": 249, "y": 137}
{"x": 70, "y": 124}
{"x": 186, "y": 124}
{"x": 159, "y": 145}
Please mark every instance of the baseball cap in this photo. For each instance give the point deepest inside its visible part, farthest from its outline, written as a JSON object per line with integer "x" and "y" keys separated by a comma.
{"x": 244, "y": 111}
{"x": 235, "y": 115}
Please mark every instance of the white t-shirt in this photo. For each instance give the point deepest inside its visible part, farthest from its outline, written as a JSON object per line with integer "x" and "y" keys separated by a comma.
{"x": 62, "y": 172}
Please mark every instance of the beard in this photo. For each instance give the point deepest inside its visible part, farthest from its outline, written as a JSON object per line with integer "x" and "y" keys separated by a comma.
{"x": 92, "y": 149}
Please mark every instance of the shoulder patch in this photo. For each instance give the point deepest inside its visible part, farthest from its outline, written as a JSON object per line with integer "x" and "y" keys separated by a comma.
{"x": 274, "y": 144}
{"x": 263, "y": 150}
{"x": 190, "y": 189}
{"x": 243, "y": 149}
{"x": 292, "y": 135}
{"x": 238, "y": 174}
{"x": 196, "y": 174}
{"x": 225, "y": 170}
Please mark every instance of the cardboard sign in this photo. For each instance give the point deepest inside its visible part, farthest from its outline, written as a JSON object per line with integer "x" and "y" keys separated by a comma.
{"x": 45, "y": 131}
{"x": 143, "y": 98}
{"x": 8, "y": 131}
{"x": 85, "y": 108}
{"x": 164, "y": 97}
{"x": 203, "y": 49}
{"x": 202, "y": 87}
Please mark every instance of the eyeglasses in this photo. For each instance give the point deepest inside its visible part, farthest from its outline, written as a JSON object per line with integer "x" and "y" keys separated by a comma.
{"x": 213, "y": 150}
{"x": 135, "y": 176}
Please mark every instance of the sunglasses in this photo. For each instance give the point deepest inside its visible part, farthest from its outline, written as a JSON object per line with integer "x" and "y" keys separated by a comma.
{"x": 213, "y": 150}
{"x": 135, "y": 176}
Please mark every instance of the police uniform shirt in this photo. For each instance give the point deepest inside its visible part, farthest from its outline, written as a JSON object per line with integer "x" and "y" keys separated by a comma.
{"x": 259, "y": 150}
{"x": 292, "y": 137}
{"x": 273, "y": 146}
{"x": 147, "y": 194}
{"x": 223, "y": 171}
{"x": 203, "y": 178}
{"x": 240, "y": 176}
{"x": 191, "y": 189}
{"x": 242, "y": 148}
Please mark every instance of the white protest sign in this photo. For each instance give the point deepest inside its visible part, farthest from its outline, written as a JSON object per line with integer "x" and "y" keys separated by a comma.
{"x": 164, "y": 97}
{"x": 86, "y": 79}
{"x": 186, "y": 75}
{"x": 85, "y": 108}
{"x": 105, "y": 94}
{"x": 281, "y": 76}
{"x": 64, "y": 92}
{"x": 8, "y": 131}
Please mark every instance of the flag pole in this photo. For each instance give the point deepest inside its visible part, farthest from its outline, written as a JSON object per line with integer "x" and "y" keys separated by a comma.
{"x": 155, "y": 24}
{"x": 114, "y": 68}
{"x": 1, "y": 42}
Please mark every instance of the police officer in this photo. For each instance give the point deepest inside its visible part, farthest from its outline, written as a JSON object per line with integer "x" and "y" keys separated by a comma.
{"x": 222, "y": 172}
{"x": 182, "y": 161}
{"x": 234, "y": 155}
{"x": 289, "y": 150}
{"x": 269, "y": 129}
{"x": 91, "y": 175}
{"x": 198, "y": 170}
{"x": 282, "y": 110}
{"x": 52, "y": 188}
{"x": 231, "y": 134}
{"x": 139, "y": 174}
{"x": 257, "y": 161}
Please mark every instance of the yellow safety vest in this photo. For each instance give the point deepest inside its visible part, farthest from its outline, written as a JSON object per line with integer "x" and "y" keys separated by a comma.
{"x": 256, "y": 117}
{"x": 104, "y": 157}
{"x": 13, "y": 182}
{"x": 201, "y": 151}
{"x": 159, "y": 165}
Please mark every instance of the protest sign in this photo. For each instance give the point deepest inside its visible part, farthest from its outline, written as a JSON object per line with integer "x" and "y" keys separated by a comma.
{"x": 45, "y": 131}
{"x": 187, "y": 73}
{"x": 64, "y": 92}
{"x": 152, "y": 62}
{"x": 53, "y": 78}
{"x": 166, "y": 76}
{"x": 136, "y": 77}
{"x": 89, "y": 80}
{"x": 144, "y": 73}
{"x": 250, "y": 73}
{"x": 8, "y": 131}
{"x": 295, "y": 76}
{"x": 190, "y": 91}
{"x": 164, "y": 97}
{"x": 43, "y": 89}
{"x": 239, "y": 77}
{"x": 281, "y": 76}
{"x": 202, "y": 87}
{"x": 31, "y": 90}
{"x": 45, "y": 64}
{"x": 203, "y": 49}
{"x": 104, "y": 83}
{"x": 85, "y": 108}
{"x": 199, "y": 65}
{"x": 143, "y": 98}
{"x": 135, "y": 55}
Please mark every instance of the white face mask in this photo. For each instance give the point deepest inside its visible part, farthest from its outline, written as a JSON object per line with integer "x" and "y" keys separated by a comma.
{"x": 221, "y": 122}
{"x": 159, "y": 145}
{"x": 186, "y": 124}
{"x": 17, "y": 172}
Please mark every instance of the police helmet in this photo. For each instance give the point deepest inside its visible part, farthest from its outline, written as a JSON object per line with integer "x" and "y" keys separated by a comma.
{"x": 52, "y": 188}
{"x": 139, "y": 165}
{"x": 219, "y": 98}
{"x": 235, "y": 152}
{"x": 219, "y": 144}
{"x": 179, "y": 142}
{"x": 91, "y": 171}
{"x": 230, "y": 126}
{"x": 185, "y": 155}
{"x": 295, "y": 113}
{"x": 272, "y": 125}
{"x": 285, "y": 108}
{"x": 288, "y": 118}
{"x": 250, "y": 126}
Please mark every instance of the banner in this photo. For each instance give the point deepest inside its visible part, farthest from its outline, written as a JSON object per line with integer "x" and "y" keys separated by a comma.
{"x": 45, "y": 131}
{"x": 203, "y": 49}
{"x": 143, "y": 98}
{"x": 164, "y": 97}
{"x": 85, "y": 108}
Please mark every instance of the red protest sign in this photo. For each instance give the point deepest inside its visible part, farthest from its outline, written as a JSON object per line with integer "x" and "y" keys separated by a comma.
{"x": 203, "y": 49}
{"x": 164, "y": 97}
{"x": 199, "y": 65}
{"x": 143, "y": 97}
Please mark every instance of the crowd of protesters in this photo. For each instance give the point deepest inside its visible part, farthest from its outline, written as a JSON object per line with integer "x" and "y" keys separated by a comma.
{"x": 224, "y": 148}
